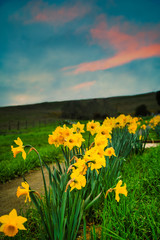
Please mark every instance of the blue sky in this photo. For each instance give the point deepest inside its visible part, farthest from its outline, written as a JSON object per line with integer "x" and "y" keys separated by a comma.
{"x": 65, "y": 50}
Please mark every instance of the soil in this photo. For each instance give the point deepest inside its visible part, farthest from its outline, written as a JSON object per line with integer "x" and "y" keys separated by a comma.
{"x": 8, "y": 198}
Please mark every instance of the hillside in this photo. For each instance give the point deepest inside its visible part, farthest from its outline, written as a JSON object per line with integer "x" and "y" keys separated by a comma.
{"x": 82, "y": 109}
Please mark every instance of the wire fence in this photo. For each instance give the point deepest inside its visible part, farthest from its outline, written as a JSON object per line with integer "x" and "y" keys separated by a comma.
{"x": 23, "y": 124}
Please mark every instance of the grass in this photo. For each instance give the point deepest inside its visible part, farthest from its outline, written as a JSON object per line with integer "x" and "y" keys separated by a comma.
{"x": 37, "y": 137}
{"x": 136, "y": 216}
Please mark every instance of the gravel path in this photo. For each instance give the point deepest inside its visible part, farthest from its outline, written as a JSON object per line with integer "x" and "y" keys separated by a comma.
{"x": 8, "y": 199}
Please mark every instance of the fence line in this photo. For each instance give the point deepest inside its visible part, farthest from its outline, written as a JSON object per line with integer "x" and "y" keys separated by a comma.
{"x": 24, "y": 124}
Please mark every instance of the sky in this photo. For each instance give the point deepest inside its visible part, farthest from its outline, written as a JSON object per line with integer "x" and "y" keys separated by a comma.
{"x": 59, "y": 50}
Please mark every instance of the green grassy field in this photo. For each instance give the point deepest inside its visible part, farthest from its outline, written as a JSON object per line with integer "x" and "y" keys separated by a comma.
{"x": 37, "y": 137}
{"x": 137, "y": 216}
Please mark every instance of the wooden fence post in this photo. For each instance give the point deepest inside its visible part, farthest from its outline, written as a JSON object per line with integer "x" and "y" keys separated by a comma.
{"x": 18, "y": 125}
{"x": 9, "y": 126}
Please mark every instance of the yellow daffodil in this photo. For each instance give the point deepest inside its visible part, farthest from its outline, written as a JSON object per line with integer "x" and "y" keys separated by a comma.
{"x": 100, "y": 140}
{"x": 18, "y": 149}
{"x": 60, "y": 135}
{"x": 71, "y": 141}
{"x": 95, "y": 158}
{"x": 92, "y": 127}
{"x": 154, "y": 121}
{"x": 105, "y": 131}
{"x": 11, "y": 223}
{"x": 53, "y": 139}
{"x": 98, "y": 163}
{"x": 109, "y": 152}
{"x": 78, "y": 128}
{"x": 66, "y": 131}
{"x": 79, "y": 139}
{"x": 143, "y": 126}
{"x": 24, "y": 191}
{"x": 120, "y": 190}
{"x": 78, "y": 182}
{"x": 132, "y": 128}
{"x": 109, "y": 122}
{"x": 80, "y": 166}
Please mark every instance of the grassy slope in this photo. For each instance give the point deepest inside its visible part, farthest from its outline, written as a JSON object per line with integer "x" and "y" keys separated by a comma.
{"x": 53, "y": 110}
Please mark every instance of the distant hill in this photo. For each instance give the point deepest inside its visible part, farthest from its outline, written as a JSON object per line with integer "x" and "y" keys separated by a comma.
{"x": 98, "y": 108}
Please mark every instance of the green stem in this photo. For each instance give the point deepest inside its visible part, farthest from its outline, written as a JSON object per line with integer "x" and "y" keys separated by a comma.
{"x": 44, "y": 180}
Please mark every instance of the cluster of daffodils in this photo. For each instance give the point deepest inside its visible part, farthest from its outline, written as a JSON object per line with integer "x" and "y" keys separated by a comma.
{"x": 92, "y": 157}
{"x": 154, "y": 121}
{"x": 131, "y": 122}
{"x": 69, "y": 137}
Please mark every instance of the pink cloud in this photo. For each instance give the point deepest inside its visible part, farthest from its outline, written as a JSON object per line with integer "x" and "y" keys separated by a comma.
{"x": 118, "y": 38}
{"x": 39, "y": 11}
{"x": 127, "y": 43}
{"x": 117, "y": 60}
{"x": 83, "y": 85}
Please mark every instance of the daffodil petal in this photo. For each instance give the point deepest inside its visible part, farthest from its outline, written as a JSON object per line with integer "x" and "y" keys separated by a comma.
{"x": 13, "y": 214}
{"x": 4, "y": 219}
{"x": 18, "y": 141}
{"x": 23, "y": 154}
{"x": 25, "y": 185}
{"x": 21, "y": 220}
{"x": 2, "y": 227}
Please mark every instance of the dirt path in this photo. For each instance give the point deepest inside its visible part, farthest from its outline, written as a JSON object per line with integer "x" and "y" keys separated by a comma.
{"x": 8, "y": 199}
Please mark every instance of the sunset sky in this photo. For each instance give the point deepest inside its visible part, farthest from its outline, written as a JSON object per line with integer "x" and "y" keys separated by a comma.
{"x": 64, "y": 50}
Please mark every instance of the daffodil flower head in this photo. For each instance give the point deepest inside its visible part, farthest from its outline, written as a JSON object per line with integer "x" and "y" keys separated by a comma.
{"x": 101, "y": 140}
{"x": 80, "y": 166}
{"x": 53, "y": 139}
{"x": 92, "y": 127}
{"x": 143, "y": 126}
{"x": 11, "y": 223}
{"x": 18, "y": 149}
{"x": 105, "y": 131}
{"x": 71, "y": 141}
{"x": 94, "y": 158}
{"x": 110, "y": 152}
{"x": 120, "y": 190}
{"x": 78, "y": 128}
{"x": 109, "y": 122}
{"x": 132, "y": 128}
{"x": 24, "y": 191}
{"x": 78, "y": 182}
